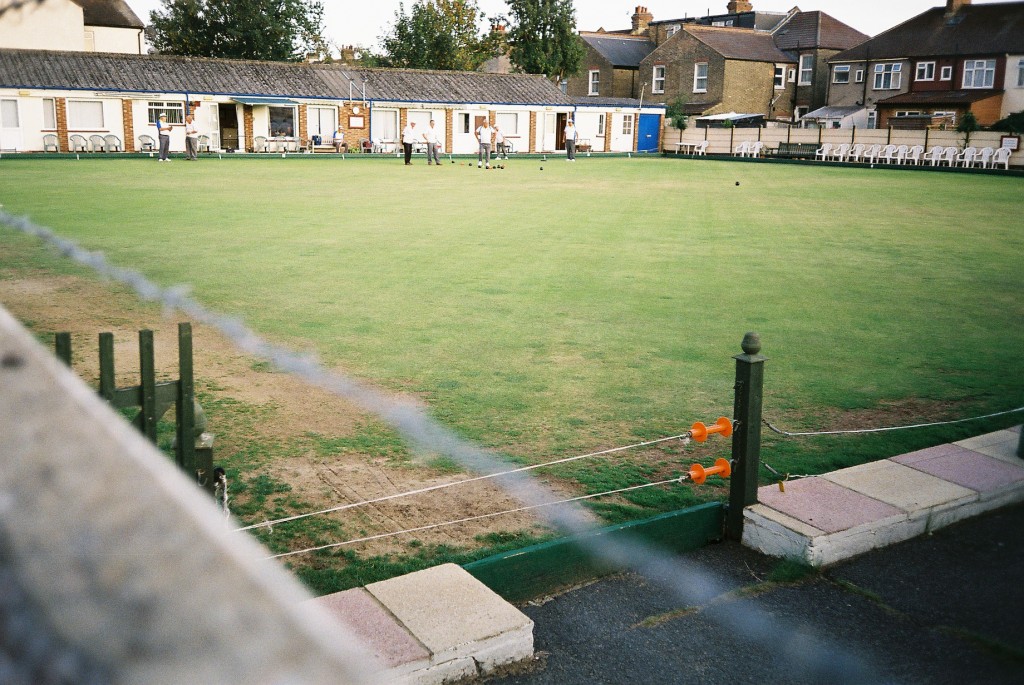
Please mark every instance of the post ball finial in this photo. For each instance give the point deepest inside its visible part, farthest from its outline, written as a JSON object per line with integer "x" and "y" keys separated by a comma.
{"x": 751, "y": 343}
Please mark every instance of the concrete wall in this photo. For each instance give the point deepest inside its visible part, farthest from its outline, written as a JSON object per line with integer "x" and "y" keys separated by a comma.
{"x": 1013, "y": 96}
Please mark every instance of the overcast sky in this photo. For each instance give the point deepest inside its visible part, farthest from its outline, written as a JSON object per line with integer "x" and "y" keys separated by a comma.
{"x": 361, "y": 22}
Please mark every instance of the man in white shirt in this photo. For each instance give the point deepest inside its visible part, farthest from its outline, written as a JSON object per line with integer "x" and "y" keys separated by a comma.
{"x": 408, "y": 138}
{"x": 570, "y": 141}
{"x": 191, "y": 139}
{"x": 430, "y": 136}
{"x": 484, "y": 136}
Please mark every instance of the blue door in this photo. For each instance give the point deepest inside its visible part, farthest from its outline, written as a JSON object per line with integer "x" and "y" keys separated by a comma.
{"x": 647, "y": 140}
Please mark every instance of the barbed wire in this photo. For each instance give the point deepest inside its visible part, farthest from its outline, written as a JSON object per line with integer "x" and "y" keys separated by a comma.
{"x": 811, "y": 658}
{"x": 432, "y": 488}
{"x": 791, "y": 434}
{"x": 479, "y": 517}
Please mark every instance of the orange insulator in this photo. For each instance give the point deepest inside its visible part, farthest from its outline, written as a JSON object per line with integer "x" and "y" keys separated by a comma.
{"x": 700, "y": 432}
{"x": 698, "y": 474}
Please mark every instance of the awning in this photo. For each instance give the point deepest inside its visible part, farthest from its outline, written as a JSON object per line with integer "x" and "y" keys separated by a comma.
{"x": 263, "y": 101}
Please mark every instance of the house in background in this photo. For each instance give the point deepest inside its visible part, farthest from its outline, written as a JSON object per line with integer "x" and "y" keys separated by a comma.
{"x": 79, "y": 25}
{"x": 935, "y": 67}
{"x": 771, "y": 64}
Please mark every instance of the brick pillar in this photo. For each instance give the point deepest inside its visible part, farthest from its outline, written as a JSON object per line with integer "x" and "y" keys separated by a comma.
{"x": 609, "y": 120}
{"x": 61, "y": 105}
{"x": 533, "y": 133}
{"x": 303, "y": 122}
{"x": 247, "y": 122}
{"x": 449, "y": 130}
{"x": 129, "y": 125}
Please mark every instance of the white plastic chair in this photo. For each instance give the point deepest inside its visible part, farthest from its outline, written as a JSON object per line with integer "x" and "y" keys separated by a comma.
{"x": 856, "y": 152}
{"x": 934, "y": 156}
{"x": 701, "y": 148}
{"x": 823, "y": 151}
{"x": 78, "y": 143}
{"x": 914, "y": 155}
{"x": 259, "y": 144}
{"x": 966, "y": 158}
{"x": 50, "y": 143}
{"x": 901, "y": 153}
{"x": 742, "y": 149}
{"x": 984, "y": 157}
{"x": 872, "y": 153}
{"x": 840, "y": 152}
{"x": 888, "y": 154}
{"x": 949, "y": 155}
{"x": 1001, "y": 156}
{"x": 112, "y": 143}
{"x": 755, "y": 148}
{"x": 97, "y": 143}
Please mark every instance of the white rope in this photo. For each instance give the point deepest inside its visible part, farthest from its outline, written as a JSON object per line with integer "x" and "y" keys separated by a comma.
{"x": 790, "y": 434}
{"x": 469, "y": 519}
{"x": 432, "y": 488}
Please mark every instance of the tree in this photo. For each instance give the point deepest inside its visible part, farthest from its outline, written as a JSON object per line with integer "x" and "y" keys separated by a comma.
{"x": 543, "y": 37}
{"x": 676, "y": 113}
{"x": 242, "y": 29}
{"x": 437, "y": 34}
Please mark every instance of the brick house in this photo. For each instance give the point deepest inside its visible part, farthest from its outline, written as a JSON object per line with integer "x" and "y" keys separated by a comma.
{"x": 769, "y": 63}
{"x": 938, "y": 65}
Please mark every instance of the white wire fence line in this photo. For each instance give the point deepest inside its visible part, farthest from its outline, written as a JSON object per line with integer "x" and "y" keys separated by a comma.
{"x": 684, "y": 437}
{"x": 792, "y": 434}
{"x": 812, "y": 657}
{"x": 469, "y": 519}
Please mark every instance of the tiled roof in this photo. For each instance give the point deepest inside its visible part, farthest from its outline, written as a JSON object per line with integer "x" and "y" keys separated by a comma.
{"x": 940, "y": 97}
{"x": 989, "y": 29}
{"x": 198, "y": 75}
{"x": 817, "y": 30}
{"x": 599, "y": 101}
{"x": 739, "y": 44}
{"x": 620, "y": 51}
{"x": 113, "y": 13}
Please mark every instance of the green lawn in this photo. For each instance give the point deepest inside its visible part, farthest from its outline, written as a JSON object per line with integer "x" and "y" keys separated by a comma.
{"x": 556, "y": 311}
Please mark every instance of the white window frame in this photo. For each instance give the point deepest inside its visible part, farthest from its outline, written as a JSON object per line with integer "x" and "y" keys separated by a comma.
{"x": 600, "y": 124}
{"x": 858, "y": 76}
{"x": 175, "y": 112}
{"x": 49, "y": 114}
{"x": 594, "y": 82}
{"x": 946, "y": 73}
{"x": 925, "y": 71}
{"x": 983, "y": 70}
{"x": 700, "y": 81}
{"x": 1020, "y": 73}
{"x": 658, "y": 78}
{"x": 888, "y": 76}
{"x": 792, "y": 75}
{"x": 806, "y": 70}
{"x": 627, "y": 124}
{"x": 82, "y": 115}
{"x": 508, "y": 122}
{"x": 843, "y": 69}
{"x": 672, "y": 30}
{"x": 315, "y": 121}
{"x": 872, "y": 118}
{"x": 780, "y": 76}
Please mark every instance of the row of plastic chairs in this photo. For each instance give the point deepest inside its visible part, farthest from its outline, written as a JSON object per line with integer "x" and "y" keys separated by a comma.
{"x": 78, "y": 143}
{"x": 750, "y": 148}
{"x": 915, "y": 154}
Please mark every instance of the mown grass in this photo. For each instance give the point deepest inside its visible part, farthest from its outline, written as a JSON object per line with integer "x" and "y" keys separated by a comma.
{"x": 549, "y": 313}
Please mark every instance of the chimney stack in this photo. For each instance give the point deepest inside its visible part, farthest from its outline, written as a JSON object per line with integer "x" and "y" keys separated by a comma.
{"x": 953, "y": 6}
{"x": 641, "y": 18}
{"x": 734, "y": 7}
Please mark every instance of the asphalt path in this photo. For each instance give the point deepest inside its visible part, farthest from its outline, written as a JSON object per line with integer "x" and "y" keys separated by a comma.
{"x": 942, "y": 608}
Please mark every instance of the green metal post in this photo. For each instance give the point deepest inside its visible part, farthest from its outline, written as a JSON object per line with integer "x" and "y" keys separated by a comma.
{"x": 746, "y": 438}
{"x": 62, "y": 344}
{"x": 107, "y": 386}
{"x": 184, "y": 404}
{"x": 147, "y": 369}
{"x": 1020, "y": 445}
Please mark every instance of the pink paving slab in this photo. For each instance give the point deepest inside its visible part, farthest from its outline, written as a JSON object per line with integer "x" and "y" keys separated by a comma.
{"x": 375, "y": 626}
{"x": 825, "y": 505}
{"x": 964, "y": 467}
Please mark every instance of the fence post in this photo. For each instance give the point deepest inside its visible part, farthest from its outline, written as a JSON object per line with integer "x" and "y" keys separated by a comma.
{"x": 183, "y": 405}
{"x": 62, "y": 344}
{"x": 746, "y": 438}
{"x": 147, "y": 373}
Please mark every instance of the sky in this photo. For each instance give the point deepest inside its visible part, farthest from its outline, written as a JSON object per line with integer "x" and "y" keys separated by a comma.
{"x": 359, "y": 22}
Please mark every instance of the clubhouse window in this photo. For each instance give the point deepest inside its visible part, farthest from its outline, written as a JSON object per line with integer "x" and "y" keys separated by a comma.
{"x": 175, "y": 112}
{"x": 282, "y": 122}
{"x": 85, "y": 115}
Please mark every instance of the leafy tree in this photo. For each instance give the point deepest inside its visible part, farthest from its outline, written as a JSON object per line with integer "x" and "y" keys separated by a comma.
{"x": 543, "y": 37}
{"x": 242, "y": 29}
{"x": 968, "y": 123}
{"x": 676, "y": 113}
{"x": 437, "y": 34}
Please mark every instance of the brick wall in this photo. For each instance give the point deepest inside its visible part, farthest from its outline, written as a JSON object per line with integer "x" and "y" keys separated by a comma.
{"x": 129, "y": 125}
{"x": 61, "y": 105}
{"x": 749, "y": 88}
{"x": 247, "y": 122}
{"x": 679, "y": 55}
{"x": 533, "y": 144}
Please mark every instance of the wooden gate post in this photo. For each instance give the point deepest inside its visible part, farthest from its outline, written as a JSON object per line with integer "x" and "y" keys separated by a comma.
{"x": 746, "y": 438}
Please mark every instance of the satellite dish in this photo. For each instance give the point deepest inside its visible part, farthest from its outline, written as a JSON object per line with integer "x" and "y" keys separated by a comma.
{"x": 357, "y": 55}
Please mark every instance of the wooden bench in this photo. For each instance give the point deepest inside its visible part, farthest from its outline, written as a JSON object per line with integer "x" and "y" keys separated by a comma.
{"x": 795, "y": 150}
